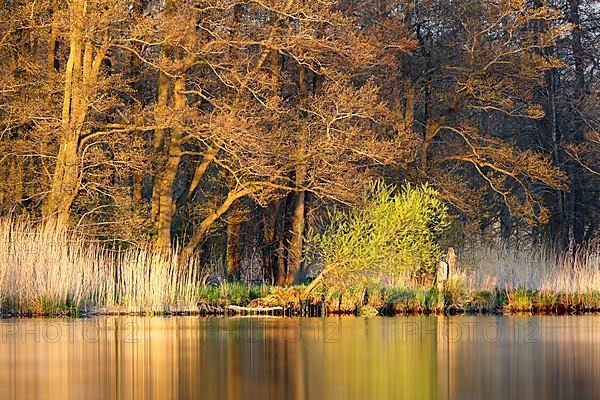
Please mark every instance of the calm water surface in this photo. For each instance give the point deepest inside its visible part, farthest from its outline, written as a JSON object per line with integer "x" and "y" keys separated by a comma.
{"x": 330, "y": 358}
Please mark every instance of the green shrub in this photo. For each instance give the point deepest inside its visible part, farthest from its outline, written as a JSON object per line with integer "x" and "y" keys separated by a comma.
{"x": 374, "y": 294}
{"x": 395, "y": 235}
{"x": 367, "y": 311}
{"x": 592, "y": 300}
{"x": 434, "y": 301}
{"x": 456, "y": 295}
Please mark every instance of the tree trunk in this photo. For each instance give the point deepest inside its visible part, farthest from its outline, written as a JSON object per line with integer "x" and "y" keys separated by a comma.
{"x": 578, "y": 53}
{"x": 576, "y": 193}
{"x": 280, "y": 262}
{"x": 81, "y": 74}
{"x": 432, "y": 128}
{"x": 270, "y": 240}
{"x": 408, "y": 111}
{"x": 65, "y": 180}
{"x": 163, "y": 89}
{"x": 204, "y": 227}
{"x": 167, "y": 206}
{"x": 233, "y": 244}
{"x": 139, "y": 82}
{"x": 271, "y": 237}
{"x": 18, "y": 184}
{"x": 505, "y": 224}
{"x": 295, "y": 250}
{"x": 52, "y": 40}
{"x": 295, "y": 258}
{"x": 137, "y": 190}
{"x": 208, "y": 157}
{"x": 558, "y": 220}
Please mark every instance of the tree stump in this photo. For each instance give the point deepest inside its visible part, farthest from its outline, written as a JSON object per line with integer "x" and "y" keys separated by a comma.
{"x": 445, "y": 269}
{"x": 442, "y": 275}
{"x": 452, "y": 261}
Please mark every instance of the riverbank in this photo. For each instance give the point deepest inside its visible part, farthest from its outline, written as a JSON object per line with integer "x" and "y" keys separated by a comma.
{"x": 49, "y": 272}
{"x": 230, "y": 299}
{"x": 389, "y": 301}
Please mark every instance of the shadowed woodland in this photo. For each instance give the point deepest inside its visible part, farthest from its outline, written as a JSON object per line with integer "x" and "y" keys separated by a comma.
{"x": 227, "y": 130}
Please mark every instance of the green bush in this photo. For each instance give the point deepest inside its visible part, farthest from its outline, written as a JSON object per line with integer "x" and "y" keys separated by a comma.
{"x": 395, "y": 235}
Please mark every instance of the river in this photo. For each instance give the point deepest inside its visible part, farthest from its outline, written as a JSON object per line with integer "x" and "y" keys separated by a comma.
{"x": 463, "y": 357}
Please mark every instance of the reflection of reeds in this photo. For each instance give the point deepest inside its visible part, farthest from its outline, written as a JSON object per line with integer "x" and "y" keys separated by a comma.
{"x": 45, "y": 270}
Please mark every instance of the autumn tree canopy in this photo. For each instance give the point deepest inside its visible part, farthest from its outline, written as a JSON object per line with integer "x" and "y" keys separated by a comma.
{"x": 187, "y": 122}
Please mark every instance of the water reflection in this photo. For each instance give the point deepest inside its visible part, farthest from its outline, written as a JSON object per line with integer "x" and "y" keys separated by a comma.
{"x": 348, "y": 358}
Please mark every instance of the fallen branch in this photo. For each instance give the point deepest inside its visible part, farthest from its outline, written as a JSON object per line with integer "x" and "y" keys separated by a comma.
{"x": 254, "y": 309}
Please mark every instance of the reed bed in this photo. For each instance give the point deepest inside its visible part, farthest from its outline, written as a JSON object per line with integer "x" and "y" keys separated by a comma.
{"x": 49, "y": 271}
{"x": 545, "y": 269}
{"x": 492, "y": 279}
{"x": 45, "y": 270}
{"x": 532, "y": 280}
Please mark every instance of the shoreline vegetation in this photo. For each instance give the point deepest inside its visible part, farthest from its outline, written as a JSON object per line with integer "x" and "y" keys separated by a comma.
{"x": 161, "y": 157}
{"x": 50, "y": 272}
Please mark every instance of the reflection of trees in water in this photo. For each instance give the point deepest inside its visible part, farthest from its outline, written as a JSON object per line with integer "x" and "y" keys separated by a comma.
{"x": 161, "y": 358}
{"x": 286, "y": 358}
{"x": 518, "y": 357}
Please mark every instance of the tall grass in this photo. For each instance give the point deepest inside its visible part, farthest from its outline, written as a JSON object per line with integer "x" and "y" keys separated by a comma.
{"x": 500, "y": 279}
{"x": 546, "y": 269}
{"x": 45, "y": 270}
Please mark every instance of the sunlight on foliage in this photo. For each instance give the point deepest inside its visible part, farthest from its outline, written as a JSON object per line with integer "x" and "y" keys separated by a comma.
{"x": 395, "y": 235}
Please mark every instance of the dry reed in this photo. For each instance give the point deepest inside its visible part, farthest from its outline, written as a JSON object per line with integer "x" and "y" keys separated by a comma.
{"x": 490, "y": 268}
{"x": 44, "y": 270}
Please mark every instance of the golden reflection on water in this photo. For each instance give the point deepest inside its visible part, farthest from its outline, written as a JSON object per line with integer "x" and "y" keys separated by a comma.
{"x": 272, "y": 358}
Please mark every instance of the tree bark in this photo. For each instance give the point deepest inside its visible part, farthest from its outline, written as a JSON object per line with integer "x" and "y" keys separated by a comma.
{"x": 167, "y": 206}
{"x": 295, "y": 251}
{"x": 137, "y": 190}
{"x": 576, "y": 193}
{"x": 233, "y": 244}
{"x": 163, "y": 89}
{"x": 52, "y": 39}
{"x": 295, "y": 258}
{"x": 280, "y": 248}
{"x": 81, "y": 74}
{"x": 432, "y": 128}
{"x": 208, "y": 157}
{"x": 270, "y": 240}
